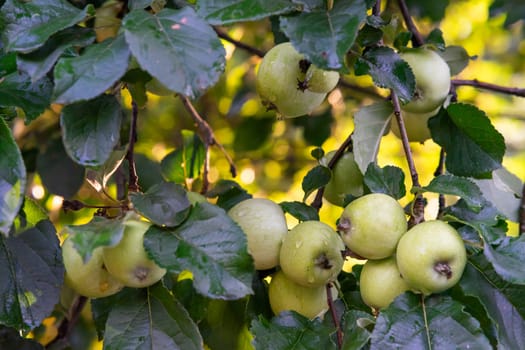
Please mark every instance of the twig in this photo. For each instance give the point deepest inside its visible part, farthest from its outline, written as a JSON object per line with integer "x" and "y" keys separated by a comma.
{"x": 75, "y": 205}
{"x": 66, "y": 325}
{"x": 419, "y": 204}
{"x": 522, "y": 211}
{"x": 367, "y": 91}
{"x": 334, "y": 315}
{"x": 439, "y": 171}
{"x": 133, "y": 184}
{"x": 318, "y": 200}
{"x": 239, "y": 44}
{"x": 489, "y": 86}
{"x": 207, "y": 136}
{"x": 417, "y": 39}
{"x": 376, "y": 10}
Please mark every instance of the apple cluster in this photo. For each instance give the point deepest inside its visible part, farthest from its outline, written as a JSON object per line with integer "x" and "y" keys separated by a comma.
{"x": 432, "y": 75}
{"x": 111, "y": 268}
{"x": 290, "y": 84}
{"x": 307, "y": 257}
{"x": 428, "y": 258}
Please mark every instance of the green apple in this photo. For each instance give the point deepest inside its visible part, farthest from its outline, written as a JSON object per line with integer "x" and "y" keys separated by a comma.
{"x": 346, "y": 179}
{"x": 432, "y": 79}
{"x": 416, "y": 125}
{"x": 320, "y": 80}
{"x": 381, "y": 282}
{"x": 372, "y": 225}
{"x": 90, "y": 279}
{"x": 264, "y": 224}
{"x": 128, "y": 260}
{"x": 311, "y": 254}
{"x": 278, "y": 77}
{"x": 284, "y": 294}
{"x": 431, "y": 257}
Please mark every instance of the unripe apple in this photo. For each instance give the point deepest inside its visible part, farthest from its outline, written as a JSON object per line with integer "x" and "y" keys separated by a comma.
{"x": 416, "y": 125}
{"x": 278, "y": 78}
{"x": 311, "y": 254}
{"x": 90, "y": 279}
{"x": 381, "y": 282}
{"x": 264, "y": 224}
{"x": 432, "y": 79}
{"x": 128, "y": 260}
{"x": 346, "y": 179}
{"x": 372, "y": 225}
{"x": 431, "y": 257}
{"x": 284, "y": 294}
{"x": 320, "y": 80}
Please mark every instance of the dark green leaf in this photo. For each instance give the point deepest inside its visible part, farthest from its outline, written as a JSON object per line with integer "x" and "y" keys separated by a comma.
{"x": 12, "y": 178}
{"x": 388, "y": 70}
{"x": 31, "y": 275}
{"x": 37, "y": 63}
{"x": 28, "y": 25}
{"x": 17, "y": 90}
{"x": 356, "y": 335}
{"x": 211, "y": 246}
{"x": 165, "y": 204}
{"x": 508, "y": 259}
{"x": 177, "y": 47}
{"x": 150, "y": 319}
{"x": 101, "y": 307}
{"x": 252, "y": 133}
{"x": 435, "y": 10}
{"x": 148, "y": 171}
{"x": 369, "y": 35}
{"x": 299, "y": 210}
{"x": 219, "y": 12}
{"x": 185, "y": 162}
{"x": 435, "y": 38}
{"x": 7, "y": 63}
{"x": 370, "y": 125}
{"x": 92, "y": 73}
{"x": 325, "y": 37}
{"x": 195, "y": 304}
{"x": 389, "y": 180}
{"x": 10, "y": 339}
{"x": 229, "y": 193}
{"x": 91, "y": 129}
{"x": 59, "y": 174}
{"x": 315, "y": 179}
{"x": 457, "y": 186}
{"x": 473, "y": 146}
{"x": 139, "y": 4}
{"x": 408, "y": 323}
{"x": 290, "y": 330}
{"x": 99, "y": 176}
{"x": 99, "y": 232}
{"x": 310, "y": 5}
{"x": 316, "y": 128}
{"x": 514, "y": 10}
{"x": 456, "y": 57}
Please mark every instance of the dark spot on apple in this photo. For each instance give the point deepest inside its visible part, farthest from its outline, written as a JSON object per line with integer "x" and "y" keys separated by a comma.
{"x": 304, "y": 64}
{"x": 344, "y": 225}
{"x": 302, "y": 84}
{"x": 443, "y": 269}
{"x": 323, "y": 262}
{"x": 141, "y": 273}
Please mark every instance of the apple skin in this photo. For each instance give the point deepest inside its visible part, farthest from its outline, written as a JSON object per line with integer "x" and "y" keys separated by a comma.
{"x": 128, "y": 260}
{"x": 284, "y": 294}
{"x": 346, "y": 179}
{"x": 416, "y": 125}
{"x": 381, "y": 282}
{"x": 264, "y": 224}
{"x": 372, "y": 225}
{"x": 91, "y": 279}
{"x": 277, "y": 83}
{"x": 311, "y": 254}
{"x": 320, "y": 80}
{"x": 432, "y": 75}
{"x": 431, "y": 257}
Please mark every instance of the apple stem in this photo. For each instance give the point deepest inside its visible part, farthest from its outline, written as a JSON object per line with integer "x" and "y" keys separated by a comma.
{"x": 344, "y": 225}
{"x": 443, "y": 269}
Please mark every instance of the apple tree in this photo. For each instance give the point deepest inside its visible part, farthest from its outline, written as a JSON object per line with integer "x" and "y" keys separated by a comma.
{"x": 250, "y": 174}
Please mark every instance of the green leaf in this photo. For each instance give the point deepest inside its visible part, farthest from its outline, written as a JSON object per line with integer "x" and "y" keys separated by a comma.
{"x": 211, "y": 246}
{"x": 316, "y": 178}
{"x": 229, "y": 193}
{"x": 290, "y": 330}
{"x": 299, "y": 210}
{"x": 165, "y": 204}
{"x": 177, "y": 47}
{"x": 435, "y": 10}
{"x": 252, "y": 133}
{"x": 99, "y": 232}
{"x": 17, "y": 90}
{"x": 91, "y": 129}
{"x": 388, "y": 180}
{"x": 10, "y": 338}
{"x": 185, "y": 162}
{"x": 99, "y": 176}
{"x": 29, "y": 215}
{"x": 473, "y": 146}
{"x": 356, "y": 335}
{"x": 150, "y": 319}
{"x": 31, "y": 276}
{"x": 457, "y": 186}
{"x": 316, "y": 128}
{"x": 195, "y": 304}
{"x": 456, "y": 57}
{"x": 387, "y": 70}
{"x": 514, "y": 10}
{"x": 28, "y": 25}
{"x": 507, "y": 258}
{"x": 59, "y": 174}
{"x": 37, "y": 63}
{"x": 218, "y": 12}
{"x": 439, "y": 322}
{"x": 370, "y": 125}
{"x": 502, "y": 301}
{"x": 7, "y": 63}
{"x": 92, "y": 73}
{"x": 325, "y": 37}
{"x": 12, "y": 178}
